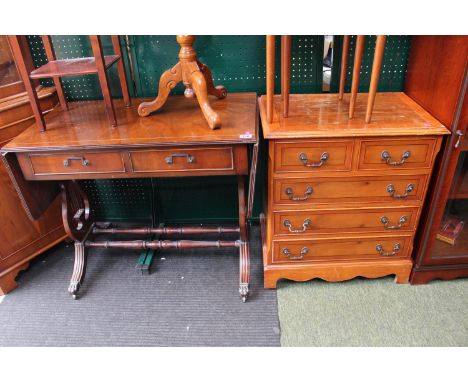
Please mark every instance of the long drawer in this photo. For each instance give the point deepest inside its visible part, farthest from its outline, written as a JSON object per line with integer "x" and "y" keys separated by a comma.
{"x": 344, "y": 249}
{"x": 316, "y": 190}
{"x": 328, "y": 221}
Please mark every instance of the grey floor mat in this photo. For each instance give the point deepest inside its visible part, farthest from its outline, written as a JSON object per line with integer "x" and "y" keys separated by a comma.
{"x": 190, "y": 299}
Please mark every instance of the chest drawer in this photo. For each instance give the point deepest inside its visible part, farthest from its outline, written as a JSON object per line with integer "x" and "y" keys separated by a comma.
{"x": 346, "y": 249}
{"x": 384, "y": 220}
{"x": 182, "y": 160}
{"x": 313, "y": 156}
{"x": 312, "y": 191}
{"x": 394, "y": 154}
{"x": 73, "y": 163}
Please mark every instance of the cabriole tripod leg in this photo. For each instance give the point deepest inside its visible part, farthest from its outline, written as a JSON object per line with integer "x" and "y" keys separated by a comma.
{"x": 244, "y": 270}
{"x": 79, "y": 269}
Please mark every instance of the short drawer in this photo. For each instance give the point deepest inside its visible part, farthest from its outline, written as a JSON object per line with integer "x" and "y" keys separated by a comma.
{"x": 346, "y": 249}
{"x": 317, "y": 190}
{"x": 394, "y": 154}
{"x": 384, "y": 220}
{"x": 182, "y": 160}
{"x": 313, "y": 156}
{"x": 74, "y": 163}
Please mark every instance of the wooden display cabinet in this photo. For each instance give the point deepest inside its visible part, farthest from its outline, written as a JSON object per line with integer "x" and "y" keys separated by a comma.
{"x": 437, "y": 79}
{"x": 21, "y": 238}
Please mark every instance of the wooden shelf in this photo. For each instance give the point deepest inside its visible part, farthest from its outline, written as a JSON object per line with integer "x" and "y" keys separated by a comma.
{"x": 71, "y": 67}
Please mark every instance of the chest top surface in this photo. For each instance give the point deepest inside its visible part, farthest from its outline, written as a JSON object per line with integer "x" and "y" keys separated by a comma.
{"x": 324, "y": 116}
{"x": 179, "y": 122}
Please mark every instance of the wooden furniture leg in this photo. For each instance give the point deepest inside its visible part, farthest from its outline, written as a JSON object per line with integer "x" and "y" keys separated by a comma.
{"x": 50, "y": 53}
{"x": 244, "y": 250}
{"x": 196, "y": 78}
{"x": 78, "y": 223}
{"x": 199, "y": 86}
{"x": 376, "y": 65}
{"x": 270, "y": 75}
{"x": 18, "y": 50}
{"x": 217, "y": 91}
{"x": 121, "y": 70}
{"x": 103, "y": 79}
{"x": 285, "y": 72}
{"x": 169, "y": 79}
{"x": 356, "y": 73}
{"x": 344, "y": 66}
{"x": 79, "y": 269}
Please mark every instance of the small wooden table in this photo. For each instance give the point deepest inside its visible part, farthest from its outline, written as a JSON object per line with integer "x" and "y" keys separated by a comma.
{"x": 80, "y": 144}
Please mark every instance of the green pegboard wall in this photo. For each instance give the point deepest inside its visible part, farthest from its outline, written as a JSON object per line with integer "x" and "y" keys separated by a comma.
{"x": 394, "y": 63}
{"x": 117, "y": 199}
{"x": 85, "y": 87}
{"x": 238, "y": 63}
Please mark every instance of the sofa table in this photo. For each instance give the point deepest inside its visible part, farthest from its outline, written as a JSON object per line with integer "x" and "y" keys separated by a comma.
{"x": 80, "y": 144}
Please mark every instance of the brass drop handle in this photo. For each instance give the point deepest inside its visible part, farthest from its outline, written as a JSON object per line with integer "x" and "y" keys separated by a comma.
{"x": 287, "y": 223}
{"x": 84, "y": 161}
{"x": 386, "y": 157}
{"x": 170, "y": 159}
{"x": 305, "y": 161}
{"x": 289, "y": 191}
{"x": 287, "y": 253}
{"x": 385, "y": 221}
{"x": 381, "y": 251}
{"x": 408, "y": 190}
{"x": 460, "y": 135}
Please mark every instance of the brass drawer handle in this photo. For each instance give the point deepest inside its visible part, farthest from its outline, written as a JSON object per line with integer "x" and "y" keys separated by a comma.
{"x": 323, "y": 158}
{"x": 385, "y": 221}
{"x": 289, "y": 191}
{"x": 386, "y": 157}
{"x": 408, "y": 190}
{"x": 84, "y": 161}
{"x": 287, "y": 223}
{"x": 381, "y": 251}
{"x": 170, "y": 159}
{"x": 287, "y": 253}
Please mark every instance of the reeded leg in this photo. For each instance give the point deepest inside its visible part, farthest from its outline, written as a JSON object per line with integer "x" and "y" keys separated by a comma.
{"x": 244, "y": 268}
{"x": 217, "y": 91}
{"x": 169, "y": 79}
{"x": 79, "y": 269}
{"x": 199, "y": 85}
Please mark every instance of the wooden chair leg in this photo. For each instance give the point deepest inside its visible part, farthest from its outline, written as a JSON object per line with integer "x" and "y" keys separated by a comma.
{"x": 285, "y": 72}
{"x": 270, "y": 75}
{"x": 344, "y": 66}
{"x": 121, "y": 70}
{"x": 17, "y": 49}
{"x": 376, "y": 65}
{"x": 103, "y": 79}
{"x": 356, "y": 73}
{"x": 50, "y": 53}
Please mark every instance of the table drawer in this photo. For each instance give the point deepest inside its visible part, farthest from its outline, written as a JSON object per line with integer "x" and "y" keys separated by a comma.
{"x": 314, "y": 191}
{"x": 345, "y": 249}
{"x": 396, "y": 154}
{"x": 313, "y": 156}
{"x": 75, "y": 163}
{"x": 384, "y": 220}
{"x": 182, "y": 160}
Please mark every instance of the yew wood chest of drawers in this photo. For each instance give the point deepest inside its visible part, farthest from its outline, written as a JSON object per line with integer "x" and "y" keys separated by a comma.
{"x": 345, "y": 197}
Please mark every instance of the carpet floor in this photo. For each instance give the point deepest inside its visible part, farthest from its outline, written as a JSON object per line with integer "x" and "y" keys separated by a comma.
{"x": 368, "y": 312}
{"x": 190, "y": 299}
